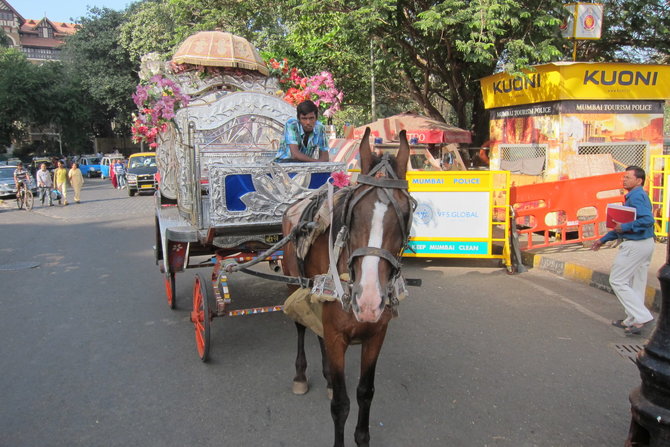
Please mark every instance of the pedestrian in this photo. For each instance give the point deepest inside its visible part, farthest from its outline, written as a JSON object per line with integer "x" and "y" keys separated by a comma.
{"x": 60, "y": 181}
{"x": 45, "y": 184}
{"x": 628, "y": 276}
{"x": 76, "y": 180}
{"x": 112, "y": 176}
{"x": 120, "y": 172}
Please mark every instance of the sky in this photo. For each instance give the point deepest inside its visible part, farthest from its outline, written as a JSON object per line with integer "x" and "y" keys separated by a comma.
{"x": 62, "y": 10}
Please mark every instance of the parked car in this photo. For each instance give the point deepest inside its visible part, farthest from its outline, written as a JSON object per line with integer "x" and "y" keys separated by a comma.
{"x": 107, "y": 161}
{"x": 90, "y": 166}
{"x": 7, "y": 184}
{"x": 37, "y": 162}
{"x": 141, "y": 172}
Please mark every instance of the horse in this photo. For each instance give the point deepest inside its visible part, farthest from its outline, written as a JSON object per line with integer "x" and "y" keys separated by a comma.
{"x": 375, "y": 218}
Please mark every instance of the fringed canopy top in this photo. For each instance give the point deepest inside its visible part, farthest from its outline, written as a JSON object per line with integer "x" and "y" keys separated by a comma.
{"x": 219, "y": 49}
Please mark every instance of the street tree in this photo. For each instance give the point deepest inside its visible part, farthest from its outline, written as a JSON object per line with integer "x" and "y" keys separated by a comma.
{"x": 19, "y": 95}
{"x": 159, "y": 26}
{"x": 96, "y": 57}
{"x": 633, "y": 31}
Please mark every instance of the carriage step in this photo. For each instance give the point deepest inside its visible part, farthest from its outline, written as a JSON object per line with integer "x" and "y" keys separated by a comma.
{"x": 254, "y": 311}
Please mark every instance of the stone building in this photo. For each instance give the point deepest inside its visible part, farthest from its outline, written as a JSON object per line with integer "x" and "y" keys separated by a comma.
{"x": 40, "y": 40}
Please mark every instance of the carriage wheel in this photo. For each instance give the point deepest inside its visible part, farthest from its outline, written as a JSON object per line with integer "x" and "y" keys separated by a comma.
{"x": 170, "y": 290}
{"x": 201, "y": 317}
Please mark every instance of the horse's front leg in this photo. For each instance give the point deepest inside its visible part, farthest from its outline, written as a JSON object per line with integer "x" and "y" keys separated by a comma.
{"x": 366, "y": 385}
{"x": 300, "y": 385}
{"x": 336, "y": 347}
{"x": 325, "y": 368}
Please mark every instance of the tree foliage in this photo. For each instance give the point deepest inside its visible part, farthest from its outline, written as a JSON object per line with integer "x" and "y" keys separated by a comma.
{"x": 96, "y": 57}
{"x": 18, "y": 85}
{"x": 41, "y": 97}
{"x": 633, "y": 31}
{"x": 424, "y": 56}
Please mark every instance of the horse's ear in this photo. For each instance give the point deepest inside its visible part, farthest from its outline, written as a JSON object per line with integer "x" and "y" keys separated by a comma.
{"x": 403, "y": 155}
{"x": 365, "y": 153}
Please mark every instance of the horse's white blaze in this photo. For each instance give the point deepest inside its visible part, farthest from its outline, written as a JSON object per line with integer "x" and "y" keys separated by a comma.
{"x": 370, "y": 299}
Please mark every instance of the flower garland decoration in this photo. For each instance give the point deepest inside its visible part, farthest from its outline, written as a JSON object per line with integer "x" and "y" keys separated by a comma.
{"x": 319, "y": 88}
{"x": 157, "y": 101}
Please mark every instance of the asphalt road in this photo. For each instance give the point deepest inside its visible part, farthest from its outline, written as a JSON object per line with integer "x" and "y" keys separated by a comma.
{"x": 91, "y": 355}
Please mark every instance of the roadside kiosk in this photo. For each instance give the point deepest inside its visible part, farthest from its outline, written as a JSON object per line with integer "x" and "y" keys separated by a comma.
{"x": 575, "y": 119}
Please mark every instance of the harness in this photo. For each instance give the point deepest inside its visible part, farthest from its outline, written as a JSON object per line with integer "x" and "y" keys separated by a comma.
{"x": 382, "y": 180}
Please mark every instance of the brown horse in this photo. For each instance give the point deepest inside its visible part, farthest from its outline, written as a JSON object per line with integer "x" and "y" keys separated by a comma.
{"x": 370, "y": 222}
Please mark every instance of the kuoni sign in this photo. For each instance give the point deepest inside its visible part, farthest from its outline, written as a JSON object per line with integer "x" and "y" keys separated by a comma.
{"x": 454, "y": 213}
{"x": 577, "y": 81}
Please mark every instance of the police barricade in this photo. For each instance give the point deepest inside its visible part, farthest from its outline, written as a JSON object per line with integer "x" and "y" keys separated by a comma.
{"x": 460, "y": 214}
{"x": 659, "y": 183}
{"x": 565, "y": 211}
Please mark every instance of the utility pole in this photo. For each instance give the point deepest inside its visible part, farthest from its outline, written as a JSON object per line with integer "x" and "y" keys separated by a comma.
{"x": 373, "y": 100}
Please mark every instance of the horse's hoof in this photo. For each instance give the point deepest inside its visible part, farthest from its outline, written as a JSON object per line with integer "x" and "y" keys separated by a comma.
{"x": 300, "y": 388}
{"x": 329, "y": 391}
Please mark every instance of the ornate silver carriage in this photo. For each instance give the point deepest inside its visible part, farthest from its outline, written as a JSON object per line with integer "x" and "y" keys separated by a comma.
{"x": 221, "y": 194}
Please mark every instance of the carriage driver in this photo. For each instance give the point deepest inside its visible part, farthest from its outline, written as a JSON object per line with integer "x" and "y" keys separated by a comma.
{"x": 303, "y": 136}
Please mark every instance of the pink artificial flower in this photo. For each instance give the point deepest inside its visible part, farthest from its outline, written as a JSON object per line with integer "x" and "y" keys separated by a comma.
{"x": 340, "y": 179}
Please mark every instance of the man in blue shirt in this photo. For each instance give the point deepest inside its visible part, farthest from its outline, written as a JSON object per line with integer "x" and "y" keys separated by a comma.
{"x": 304, "y": 136}
{"x": 628, "y": 276}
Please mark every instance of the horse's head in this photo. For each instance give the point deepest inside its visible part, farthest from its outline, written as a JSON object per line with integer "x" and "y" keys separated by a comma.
{"x": 379, "y": 218}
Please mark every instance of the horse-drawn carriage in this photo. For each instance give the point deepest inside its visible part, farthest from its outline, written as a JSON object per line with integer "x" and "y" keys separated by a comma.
{"x": 222, "y": 196}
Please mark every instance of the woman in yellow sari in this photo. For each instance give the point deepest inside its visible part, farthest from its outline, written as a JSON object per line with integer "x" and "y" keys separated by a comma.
{"x": 76, "y": 180}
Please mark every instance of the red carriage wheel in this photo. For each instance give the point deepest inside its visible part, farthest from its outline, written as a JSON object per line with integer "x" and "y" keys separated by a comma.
{"x": 201, "y": 317}
{"x": 170, "y": 290}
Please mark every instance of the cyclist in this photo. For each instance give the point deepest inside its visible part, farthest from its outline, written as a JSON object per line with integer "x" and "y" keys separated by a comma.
{"x": 21, "y": 178}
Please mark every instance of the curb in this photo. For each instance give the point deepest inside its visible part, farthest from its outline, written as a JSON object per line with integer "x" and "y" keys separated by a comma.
{"x": 584, "y": 275}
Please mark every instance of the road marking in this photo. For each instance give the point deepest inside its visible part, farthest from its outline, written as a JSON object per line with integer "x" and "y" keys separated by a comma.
{"x": 574, "y": 304}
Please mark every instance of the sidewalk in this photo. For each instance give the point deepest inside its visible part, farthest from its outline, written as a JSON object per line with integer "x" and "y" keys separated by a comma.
{"x": 579, "y": 263}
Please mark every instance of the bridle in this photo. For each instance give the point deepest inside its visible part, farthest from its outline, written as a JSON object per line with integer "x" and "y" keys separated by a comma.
{"x": 383, "y": 179}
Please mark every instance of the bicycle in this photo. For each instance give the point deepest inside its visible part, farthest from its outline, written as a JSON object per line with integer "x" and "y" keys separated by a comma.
{"x": 24, "y": 198}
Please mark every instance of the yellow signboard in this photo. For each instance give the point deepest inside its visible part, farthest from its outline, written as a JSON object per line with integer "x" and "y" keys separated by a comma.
{"x": 577, "y": 80}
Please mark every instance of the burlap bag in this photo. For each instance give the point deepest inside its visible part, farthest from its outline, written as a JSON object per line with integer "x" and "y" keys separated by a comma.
{"x": 302, "y": 308}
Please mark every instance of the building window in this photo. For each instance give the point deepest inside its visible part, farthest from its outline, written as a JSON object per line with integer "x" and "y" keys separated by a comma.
{"x": 46, "y": 32}
{"x": 7, "y": 15}
{"x": 41, "y": 53}
{"x": 529, "y": 159}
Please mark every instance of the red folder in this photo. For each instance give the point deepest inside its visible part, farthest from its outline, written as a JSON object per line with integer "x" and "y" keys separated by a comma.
{"x": 619, "y": 214}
